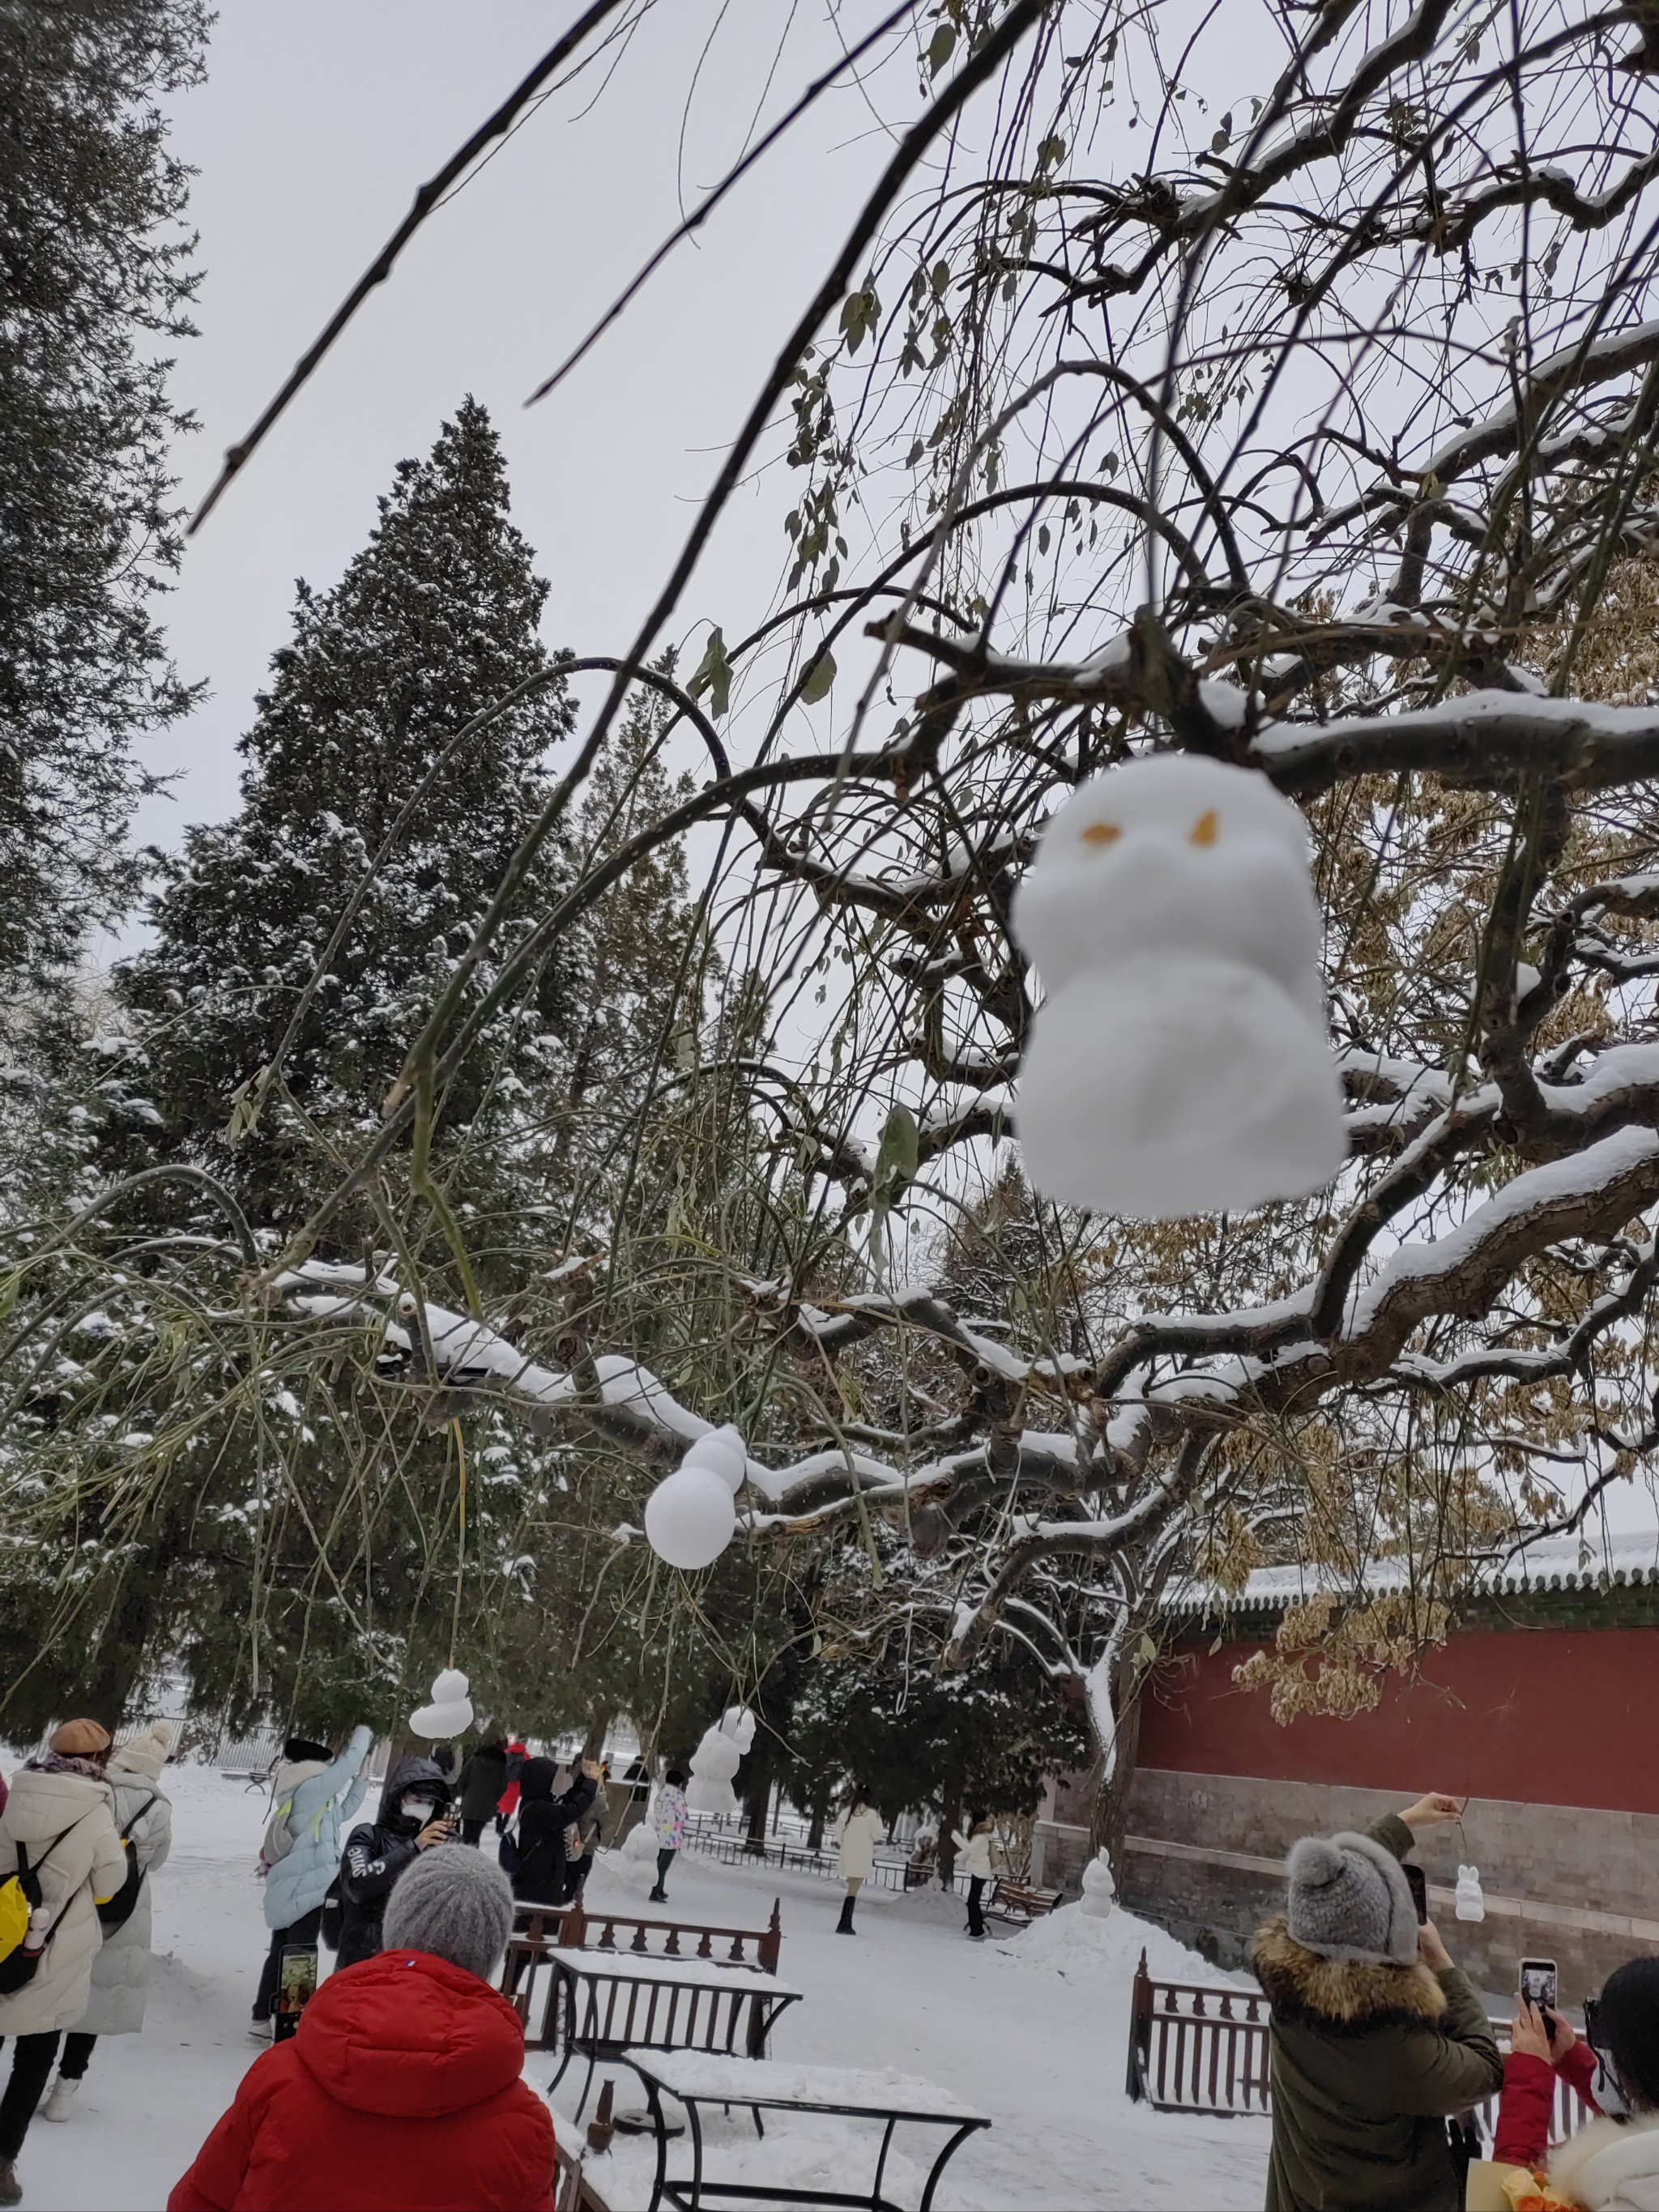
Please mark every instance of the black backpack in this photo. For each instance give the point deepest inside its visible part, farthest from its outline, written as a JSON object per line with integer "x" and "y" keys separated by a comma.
{"x": 116, "y": 1912}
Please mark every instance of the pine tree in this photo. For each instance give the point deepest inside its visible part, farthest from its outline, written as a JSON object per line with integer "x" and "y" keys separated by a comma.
{"x": 355, "y": 743}
{"x": 94, "y": 277}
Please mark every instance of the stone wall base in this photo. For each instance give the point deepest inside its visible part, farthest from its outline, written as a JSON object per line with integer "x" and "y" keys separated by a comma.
{"x": 1204, "y": 1860}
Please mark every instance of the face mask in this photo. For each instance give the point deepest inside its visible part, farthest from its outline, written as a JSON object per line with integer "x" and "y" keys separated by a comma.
{"x": 420, "y": 1809}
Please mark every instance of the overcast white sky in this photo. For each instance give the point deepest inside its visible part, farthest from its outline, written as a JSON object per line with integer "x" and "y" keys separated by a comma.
{"x": 315, "y": 124}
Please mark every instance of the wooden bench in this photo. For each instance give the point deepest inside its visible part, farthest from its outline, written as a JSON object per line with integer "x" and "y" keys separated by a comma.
{"x": 539, "y": 1930}
{"x": 1017, "y": 1902}
{"x": 1202, "y": 2047}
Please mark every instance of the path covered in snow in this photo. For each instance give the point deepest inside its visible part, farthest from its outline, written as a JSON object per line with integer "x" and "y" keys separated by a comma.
{"x": 1031, "y": 2031}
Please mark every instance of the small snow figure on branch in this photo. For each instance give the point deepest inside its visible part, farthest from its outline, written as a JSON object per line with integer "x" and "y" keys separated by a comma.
{"x": 1099, "y": 1890}
{"x": 1180, "y": 1063}
{"x": 450, "y": 1713}
{"x": 691, "y": 1518}
{"x": 715, "y": 1760}
{"x": 1470, "y": 1905}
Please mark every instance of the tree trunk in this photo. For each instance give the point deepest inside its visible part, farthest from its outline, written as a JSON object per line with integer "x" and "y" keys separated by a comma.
{"x": 593, "y": 1741}
{"x": 758, "y": 1795}
{"x": 820, "y": 1814}
{"x": 950, "y": 1819}
{"x": 1112, "y": 1773}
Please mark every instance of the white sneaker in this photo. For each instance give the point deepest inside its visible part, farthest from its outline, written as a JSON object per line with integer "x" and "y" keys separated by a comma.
{"x": 61, "y": 2103}
{"x": 262, "y": 2030}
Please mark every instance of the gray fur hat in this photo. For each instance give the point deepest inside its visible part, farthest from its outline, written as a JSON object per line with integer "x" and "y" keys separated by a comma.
{"x": 1350, "y": 1901}
{"x": 453, "y": 1903}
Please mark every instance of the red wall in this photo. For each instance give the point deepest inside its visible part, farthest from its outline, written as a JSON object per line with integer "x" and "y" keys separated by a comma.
{"x": 1552, "y": 1716}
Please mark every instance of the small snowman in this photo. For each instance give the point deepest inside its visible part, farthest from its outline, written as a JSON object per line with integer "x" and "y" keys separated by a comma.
{"x": 715, "y": 1761}
{"x": 1469, "y": 1903}
{"x": 1099, "y": 1890}
{"x": 450, "y": 1713}
{"x": 1180, "y": 1063}
{"x": 691, "y": 1516}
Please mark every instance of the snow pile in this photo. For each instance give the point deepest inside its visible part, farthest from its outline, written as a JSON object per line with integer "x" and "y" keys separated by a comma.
{"x": 1079, "y": 1945}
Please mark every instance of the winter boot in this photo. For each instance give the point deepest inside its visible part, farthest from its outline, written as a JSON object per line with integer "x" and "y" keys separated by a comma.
{"x": 658, "y": 1896}
{"x": 61, "y": 2103}
{"x": 11, "y": 2189}
{"x": 844, "y": 1925}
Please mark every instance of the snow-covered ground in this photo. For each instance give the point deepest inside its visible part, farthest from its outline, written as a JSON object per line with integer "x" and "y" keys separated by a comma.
{"x": 1029, "y": 2031}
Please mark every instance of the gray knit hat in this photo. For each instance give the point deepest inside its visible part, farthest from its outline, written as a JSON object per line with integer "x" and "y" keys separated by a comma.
{"x": 1350, "y": 1901}
{"x": 453, "y": 1903}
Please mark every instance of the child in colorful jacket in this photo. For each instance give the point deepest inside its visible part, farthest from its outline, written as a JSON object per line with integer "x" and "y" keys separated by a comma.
{"x": 668, "y": 1817}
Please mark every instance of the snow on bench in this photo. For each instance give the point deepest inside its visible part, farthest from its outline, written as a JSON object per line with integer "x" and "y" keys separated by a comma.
{"x": 877, "y": 2091}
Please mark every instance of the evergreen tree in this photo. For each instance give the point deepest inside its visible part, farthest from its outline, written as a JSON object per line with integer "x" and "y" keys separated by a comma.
{"x": 94, "y": 277}
{"x": 357, "y": 765}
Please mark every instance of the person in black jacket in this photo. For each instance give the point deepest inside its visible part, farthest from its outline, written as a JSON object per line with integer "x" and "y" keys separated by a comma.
{"x": 414, "y": 1815}
{"x": 479, "y": 1786}
{"x": 543, "y": 1818}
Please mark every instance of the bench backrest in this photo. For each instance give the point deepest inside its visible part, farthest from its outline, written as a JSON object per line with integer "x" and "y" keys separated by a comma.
{"x": 539, "y": 1928}
{"x": 1203, "y": 2048}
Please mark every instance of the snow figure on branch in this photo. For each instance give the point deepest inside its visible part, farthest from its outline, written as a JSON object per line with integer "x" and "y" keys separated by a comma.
{"x": 691, "y": 1518}
{"x": 450, "y": 1713}
{"x": 1469, "y": 1903}
{"x": 1099, "y": 1890}
{"x": 715, "y": 1762}
{"x": 1180, "y": 1062}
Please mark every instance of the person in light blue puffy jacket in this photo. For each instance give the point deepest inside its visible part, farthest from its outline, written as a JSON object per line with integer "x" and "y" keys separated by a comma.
{"x": 313, "y": 1799}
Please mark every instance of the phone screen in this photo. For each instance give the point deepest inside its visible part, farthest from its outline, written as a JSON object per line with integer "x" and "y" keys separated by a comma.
{"x": 1417, "y": 1882}
{"x": 1537, "y": 1983}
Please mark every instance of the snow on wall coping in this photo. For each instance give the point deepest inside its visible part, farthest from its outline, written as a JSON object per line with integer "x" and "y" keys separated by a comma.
{"x": 1554, "y": 1562}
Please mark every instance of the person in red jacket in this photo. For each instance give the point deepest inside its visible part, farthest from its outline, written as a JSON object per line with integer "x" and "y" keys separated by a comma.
{"x": 1528, "y": 2104}
{"x": 517, "y": 1752}
{"x": 402, "y": 2086}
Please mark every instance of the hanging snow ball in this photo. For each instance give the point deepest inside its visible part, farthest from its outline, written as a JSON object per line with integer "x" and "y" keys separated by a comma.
{"x": 1180, "y": 1062}
{"x": 722, "y": 1452}
{"x": 449, "y": 1714}
{"x": 691, "y": 1519}
{"x": 1469, "y": 1904}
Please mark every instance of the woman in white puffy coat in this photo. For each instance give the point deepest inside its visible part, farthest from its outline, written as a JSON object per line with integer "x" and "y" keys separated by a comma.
{"x": 973, "y": 1858}
{"x": 62, "y": 1812}
{"x": 857, "y": 1833}
{"x": 120, "y": 1973}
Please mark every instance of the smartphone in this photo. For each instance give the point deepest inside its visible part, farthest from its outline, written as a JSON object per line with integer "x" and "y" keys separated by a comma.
{"x": 296, "y": 1985}
{"x": 1417, "y": 1882}
{"x": 1539, "y": 1986}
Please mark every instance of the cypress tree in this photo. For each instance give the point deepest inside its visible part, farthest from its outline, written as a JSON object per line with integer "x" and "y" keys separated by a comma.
{"x": 94, "y": 282}
{"x": 355, "y": 743}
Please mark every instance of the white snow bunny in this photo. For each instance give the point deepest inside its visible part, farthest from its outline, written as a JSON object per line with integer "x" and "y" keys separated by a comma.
{"x": 1180, "y": 1062}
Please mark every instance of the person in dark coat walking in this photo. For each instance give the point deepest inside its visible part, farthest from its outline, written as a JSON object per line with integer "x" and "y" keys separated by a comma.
{"x": 543, "y": 1873}
{"x": 479, "y": 1786}
{"x": 414, "y": 1815}
{"x": 539, "y": 1875}
{"x": 1376, "y": 2038}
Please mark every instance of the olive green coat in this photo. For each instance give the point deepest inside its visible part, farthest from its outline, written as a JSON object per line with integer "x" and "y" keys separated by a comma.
{"x": 1369, "y": 2062}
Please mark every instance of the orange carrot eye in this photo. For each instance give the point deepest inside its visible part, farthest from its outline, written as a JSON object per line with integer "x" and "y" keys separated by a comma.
{"x": 1100, "y": 833}
{"x": 1205, "y": 829}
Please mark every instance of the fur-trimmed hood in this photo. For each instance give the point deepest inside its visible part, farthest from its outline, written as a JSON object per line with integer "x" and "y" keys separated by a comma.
{"x": 1610, "y": 2167}
{"x": 1346, "y": 1995}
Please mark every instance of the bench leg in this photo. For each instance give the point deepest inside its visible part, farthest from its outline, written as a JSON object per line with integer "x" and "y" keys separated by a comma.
{"x": 940, "y": 2164}
{"x": 881, "y": 2165}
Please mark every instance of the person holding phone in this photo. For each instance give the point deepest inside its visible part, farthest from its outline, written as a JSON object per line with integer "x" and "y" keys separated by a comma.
{"x": 1376, "y": 2038}
{"x": 414, "y": 1815}
{"x": 1613, "y": 2164}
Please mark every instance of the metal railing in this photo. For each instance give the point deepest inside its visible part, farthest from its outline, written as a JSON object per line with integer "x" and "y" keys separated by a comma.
{"x": 732, "y": 1846}
{"x": 1197, "y": 2047}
